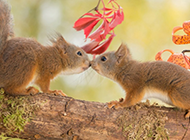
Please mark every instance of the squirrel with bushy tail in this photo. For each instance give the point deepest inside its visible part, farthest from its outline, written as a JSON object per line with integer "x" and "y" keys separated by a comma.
{"x": 24, "y": 60}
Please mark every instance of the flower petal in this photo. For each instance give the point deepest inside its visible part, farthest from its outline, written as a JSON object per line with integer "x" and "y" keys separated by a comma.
{"x": 107, "y": 9}
{"x": 97, "y": 33}
{"x": 102, "y": 47}
{"x": 187, "y": 59}
{"x": 89, "y": 46}
{"x": 88, "y": 29}
{"x": 101, "y": 32}
{"x": 121, "y": 17}
{"x": 108, "y": 13}
{"x": 178, "y": 39}
{"x": 179, "y": 59}
{"x": 186, "y": 27}
{"x": 117, "y": 19}
{"x": 84, "y": 22}
{"x": 158, "y": 55}
{"x": 111, "y": 1}
{"x": 175, "y": 29}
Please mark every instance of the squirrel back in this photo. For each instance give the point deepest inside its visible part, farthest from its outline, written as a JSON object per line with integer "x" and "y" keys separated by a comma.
{"x": 25, "y": 60}
{"x": 158, "y": 79}
{"x": 6, "y": 26}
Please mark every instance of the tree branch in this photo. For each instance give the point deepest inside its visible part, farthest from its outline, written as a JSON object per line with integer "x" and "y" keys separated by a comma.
{"x": 68, "y": 118}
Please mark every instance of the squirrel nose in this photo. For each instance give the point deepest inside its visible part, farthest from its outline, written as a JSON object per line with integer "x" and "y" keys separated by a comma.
{"x": 89, "y": 64}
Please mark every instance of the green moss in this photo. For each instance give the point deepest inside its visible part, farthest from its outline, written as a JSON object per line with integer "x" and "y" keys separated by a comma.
{"x": 15, "y": 112}
{"x": 2, "y": 137}
{"x": 143, "y": 126}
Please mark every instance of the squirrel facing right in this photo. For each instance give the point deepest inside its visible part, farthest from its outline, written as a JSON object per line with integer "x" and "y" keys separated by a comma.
{"x": 158, "y": 79}
{"x": 24, "y": 60}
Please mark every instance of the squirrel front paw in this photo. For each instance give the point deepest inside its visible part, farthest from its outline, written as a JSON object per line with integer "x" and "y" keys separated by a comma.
{"x": 57, "y": 92}
{"x": 116, "y": 104}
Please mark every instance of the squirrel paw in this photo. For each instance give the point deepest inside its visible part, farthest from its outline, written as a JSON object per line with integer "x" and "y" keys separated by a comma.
{"x": 32, "y": 91}
{"x": 114, "y": 104}
{"x": 57, "y": 92}
{"x": 187, "y": 115}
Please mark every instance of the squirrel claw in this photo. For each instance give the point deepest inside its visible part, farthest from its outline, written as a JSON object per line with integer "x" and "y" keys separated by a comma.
{"x": 187, "y": 115}
{"x": 60, "y": 92}
{"x": 114, "y": 104}
{"x": 57, "y": 92}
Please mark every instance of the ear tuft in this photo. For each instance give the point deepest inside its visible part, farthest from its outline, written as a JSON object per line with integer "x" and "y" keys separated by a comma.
{"x": 57, "y": 39}
{"x": 122, "y": 52}
{"x": 59, "y": 42}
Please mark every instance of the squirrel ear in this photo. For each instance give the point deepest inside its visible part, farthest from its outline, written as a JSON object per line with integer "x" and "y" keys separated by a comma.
{"x": 60, "y": 39}
{"x": 122, "y": 52}
{"x": 57, "y": 39}
{"x": 59, "y": 42}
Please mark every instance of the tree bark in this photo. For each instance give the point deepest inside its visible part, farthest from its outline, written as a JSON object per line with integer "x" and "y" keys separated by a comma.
{"x": 67, "y": 118}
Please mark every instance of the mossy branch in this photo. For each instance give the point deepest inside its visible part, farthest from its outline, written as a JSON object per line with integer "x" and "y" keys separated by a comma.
{"x": 59, "y": 117}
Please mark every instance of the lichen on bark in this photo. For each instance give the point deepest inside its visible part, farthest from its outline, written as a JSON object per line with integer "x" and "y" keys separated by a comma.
{"x": 146, "y": 126}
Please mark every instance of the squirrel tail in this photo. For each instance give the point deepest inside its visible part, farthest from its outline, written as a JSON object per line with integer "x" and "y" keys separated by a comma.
{"x": 6, "y": 23}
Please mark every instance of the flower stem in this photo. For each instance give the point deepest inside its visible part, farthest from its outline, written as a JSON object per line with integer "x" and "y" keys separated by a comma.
{"x": 96, "y": 8}
{"x": 93, "y": 9}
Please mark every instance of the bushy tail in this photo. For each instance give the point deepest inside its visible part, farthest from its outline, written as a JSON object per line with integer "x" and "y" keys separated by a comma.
{"x": 6, "y": 23}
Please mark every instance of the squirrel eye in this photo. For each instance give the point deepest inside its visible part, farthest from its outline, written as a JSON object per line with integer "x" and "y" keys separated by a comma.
{"x": 79, "y": 53}
{"x": 103, "y": 58}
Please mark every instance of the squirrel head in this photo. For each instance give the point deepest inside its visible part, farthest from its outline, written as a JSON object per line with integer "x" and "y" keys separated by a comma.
{"x": 110, "y": 63}
{"x": 74, "y": 59}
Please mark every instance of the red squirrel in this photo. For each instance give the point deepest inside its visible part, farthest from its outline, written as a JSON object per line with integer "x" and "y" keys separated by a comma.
{"x": 158, "y": 79}
{"x": 24, "y": 60}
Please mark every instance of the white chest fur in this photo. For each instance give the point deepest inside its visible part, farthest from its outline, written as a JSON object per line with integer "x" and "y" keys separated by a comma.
{"x": 158, "y": 94}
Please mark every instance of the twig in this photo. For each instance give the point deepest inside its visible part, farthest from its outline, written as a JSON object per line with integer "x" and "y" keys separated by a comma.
{"x": 186, "y": 130}
{"x": 95, "y": 8}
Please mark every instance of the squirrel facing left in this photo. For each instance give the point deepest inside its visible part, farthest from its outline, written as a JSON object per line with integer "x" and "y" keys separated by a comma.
{"x": 141, "y": 80}
{"x": 24, "y": 60}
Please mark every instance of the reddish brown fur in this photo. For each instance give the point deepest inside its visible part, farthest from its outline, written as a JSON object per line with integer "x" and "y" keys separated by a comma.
{"x": 24, "y": 60}
{"x": 170, "y": 80}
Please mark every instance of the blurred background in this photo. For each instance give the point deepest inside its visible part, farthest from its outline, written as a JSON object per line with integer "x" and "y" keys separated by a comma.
{"x": 146, "y": 28}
